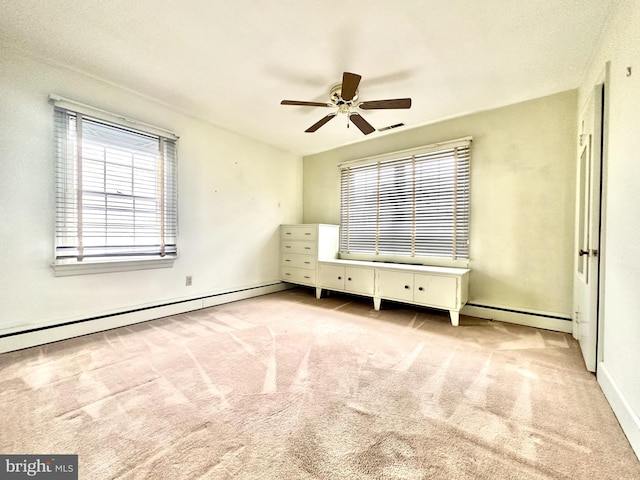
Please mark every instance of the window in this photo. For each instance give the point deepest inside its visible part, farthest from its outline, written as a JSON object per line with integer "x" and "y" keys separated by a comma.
{"x": 116, "y": 189}
{"x": 409, "y": 204}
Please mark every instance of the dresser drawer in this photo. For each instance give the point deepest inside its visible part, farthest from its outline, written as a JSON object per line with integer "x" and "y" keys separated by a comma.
{"x": 299, "y": 261}
{"x": 294, "y": 246}
{"x": 298, "y": 275}
{"x": 298, "y": 232}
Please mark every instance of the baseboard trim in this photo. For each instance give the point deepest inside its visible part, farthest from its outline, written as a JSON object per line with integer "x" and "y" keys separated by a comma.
{"x": 530, "y": 318}
{"x": 41, "y": 335}
{"x": 628, "y": 419}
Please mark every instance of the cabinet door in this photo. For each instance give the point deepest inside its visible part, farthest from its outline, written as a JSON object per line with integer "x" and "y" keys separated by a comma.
{"x": 359, "y": 280}
{"x": 332, "y": 277}
{"x": 395, "y": 285}
{"x": 436, "y": 291}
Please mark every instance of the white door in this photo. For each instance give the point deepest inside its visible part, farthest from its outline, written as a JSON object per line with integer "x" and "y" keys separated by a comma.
{"x": 587, "y": 243}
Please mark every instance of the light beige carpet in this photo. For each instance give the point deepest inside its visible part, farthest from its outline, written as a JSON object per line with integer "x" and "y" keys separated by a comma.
{"x": 285, "y": 386}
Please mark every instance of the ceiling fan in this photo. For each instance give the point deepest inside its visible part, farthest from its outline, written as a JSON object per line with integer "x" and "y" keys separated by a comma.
{"x": 344, "y": 98}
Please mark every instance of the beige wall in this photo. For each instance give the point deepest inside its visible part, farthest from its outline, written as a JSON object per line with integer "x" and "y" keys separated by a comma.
{"x": 620, "y": 259}
{"x": 522, "y": 197}
{"x": 233, "y": 195}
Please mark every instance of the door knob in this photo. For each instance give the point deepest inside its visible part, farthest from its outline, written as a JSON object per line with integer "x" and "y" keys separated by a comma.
{"x": 582, "y": 252}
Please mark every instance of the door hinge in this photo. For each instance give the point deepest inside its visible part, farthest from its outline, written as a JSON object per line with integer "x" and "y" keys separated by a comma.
{"x": 584, "y": 137}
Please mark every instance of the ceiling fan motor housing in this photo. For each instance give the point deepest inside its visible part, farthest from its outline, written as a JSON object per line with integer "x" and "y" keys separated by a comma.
{"x": 335, "y": 97}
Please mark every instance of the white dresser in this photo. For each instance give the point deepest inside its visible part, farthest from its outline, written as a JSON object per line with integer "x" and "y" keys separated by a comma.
{"x": 309, "y": 257}
{"x": 301, "y": 247}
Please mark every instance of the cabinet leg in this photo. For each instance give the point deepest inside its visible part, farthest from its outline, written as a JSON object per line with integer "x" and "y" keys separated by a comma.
{"x": 376, "y": 303}
{"x": 318, "y": 293}
{"x": 455, "y": 317}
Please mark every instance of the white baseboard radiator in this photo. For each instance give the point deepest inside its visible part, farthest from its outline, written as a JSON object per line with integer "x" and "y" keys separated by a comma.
{"x": 62, "y": 330}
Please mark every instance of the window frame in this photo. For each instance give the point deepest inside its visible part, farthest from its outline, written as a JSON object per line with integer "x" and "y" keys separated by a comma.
{"x": 107, "y": 261}
{"x": 395, "y": 160}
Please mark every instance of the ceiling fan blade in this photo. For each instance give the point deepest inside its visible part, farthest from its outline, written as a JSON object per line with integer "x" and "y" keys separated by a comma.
{"x": 320, "y": 123}
{"x": 304, "y": 104}
{"x": 350, "y": 82}
{"x": 384, "y": 104}
{"x": 364, "y": 126}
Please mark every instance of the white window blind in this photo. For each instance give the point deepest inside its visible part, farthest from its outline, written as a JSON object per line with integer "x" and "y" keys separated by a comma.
{"x": 116, "y": 191}
{"x": 413, "y": 204}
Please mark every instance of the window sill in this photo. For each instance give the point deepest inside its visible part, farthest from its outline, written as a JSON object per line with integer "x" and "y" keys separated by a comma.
{"x": 405, "y": 259}
{"x": 109, "y": 266}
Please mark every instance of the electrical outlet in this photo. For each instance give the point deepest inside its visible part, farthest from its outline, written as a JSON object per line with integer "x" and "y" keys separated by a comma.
{"x": 189, "y": 280}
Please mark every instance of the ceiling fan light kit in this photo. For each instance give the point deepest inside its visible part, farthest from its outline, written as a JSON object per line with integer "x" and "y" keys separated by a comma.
{"x": 344, "y": 99}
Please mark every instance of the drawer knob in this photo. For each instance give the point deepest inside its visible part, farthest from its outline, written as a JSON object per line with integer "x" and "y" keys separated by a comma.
{"x": 420, "y": 288}
{"x": 407, "y": 287}
{"x": 307, "y": 263}
{"x": 349, "y": 278}
{"x": 287, "y": 260}
{"x": 339, "y": 278}
{"x": 287, "y": 233}
{"x": 307, "y": 233}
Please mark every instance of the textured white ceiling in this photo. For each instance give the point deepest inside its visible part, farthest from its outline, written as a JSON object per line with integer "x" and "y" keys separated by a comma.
{"x": 231, "y": 62}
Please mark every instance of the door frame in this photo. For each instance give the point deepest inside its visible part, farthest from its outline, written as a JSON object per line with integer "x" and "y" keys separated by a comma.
{"x": 604, "y": 79}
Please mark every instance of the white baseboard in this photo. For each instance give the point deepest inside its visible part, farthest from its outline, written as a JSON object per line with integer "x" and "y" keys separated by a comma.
{"x": 530, "y": 318}
{"x": 52, "y": 333}
{"x": 628, "y": 419}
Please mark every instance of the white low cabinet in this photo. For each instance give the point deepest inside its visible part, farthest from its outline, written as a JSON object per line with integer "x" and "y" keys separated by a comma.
{"x": 436, "y": 287}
